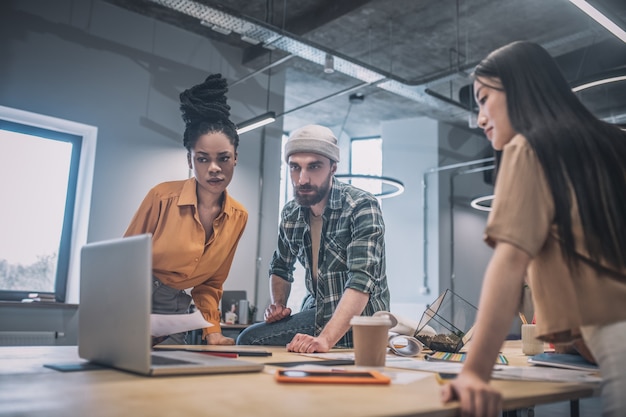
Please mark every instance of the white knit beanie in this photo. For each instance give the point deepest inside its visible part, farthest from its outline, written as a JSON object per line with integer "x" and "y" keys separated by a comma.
{"x": 315, "y": 139}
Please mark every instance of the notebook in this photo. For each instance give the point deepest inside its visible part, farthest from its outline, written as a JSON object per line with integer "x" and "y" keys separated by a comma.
{"x": 459, "y": 357}
{"x": 563, "y": 360}
{"x": 114, "y": 314}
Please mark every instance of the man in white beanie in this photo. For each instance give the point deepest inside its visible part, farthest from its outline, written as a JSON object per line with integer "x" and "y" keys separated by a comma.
{"x": 336, "y": 232}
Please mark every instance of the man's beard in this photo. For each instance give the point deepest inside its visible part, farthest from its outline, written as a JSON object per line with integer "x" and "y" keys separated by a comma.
{"x": 309, "y": 200}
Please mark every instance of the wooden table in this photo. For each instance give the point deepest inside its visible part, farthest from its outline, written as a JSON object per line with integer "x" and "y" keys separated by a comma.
{"x": 29, "y": 389}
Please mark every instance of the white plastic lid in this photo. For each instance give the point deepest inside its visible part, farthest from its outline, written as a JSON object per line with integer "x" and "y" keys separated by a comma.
{"x": 370, "y": 321}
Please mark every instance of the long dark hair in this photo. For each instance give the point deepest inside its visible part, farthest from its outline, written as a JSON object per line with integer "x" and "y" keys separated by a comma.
{"x": 204, "y": 110}
{"x": 577, "y": 151}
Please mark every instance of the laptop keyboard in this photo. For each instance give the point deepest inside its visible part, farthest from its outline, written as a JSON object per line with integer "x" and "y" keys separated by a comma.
{"x": 162, "y": 360}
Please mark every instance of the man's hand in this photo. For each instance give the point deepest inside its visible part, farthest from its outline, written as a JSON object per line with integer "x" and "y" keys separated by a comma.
{"x": 158, "y": 339}
{"x": 276, "y": 312}
{"x": 303, "y": 343}
{"x": 477, "y": 398}
{"x": 219, "y": 339}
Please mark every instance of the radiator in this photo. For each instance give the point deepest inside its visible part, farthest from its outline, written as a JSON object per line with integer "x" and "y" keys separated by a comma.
{"x": 30, "y": 338}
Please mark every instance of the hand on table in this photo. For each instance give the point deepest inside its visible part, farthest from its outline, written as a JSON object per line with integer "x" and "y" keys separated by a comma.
{"x": 219, "y": 339}
{"x": 304, "y": 343}
{"x": 476, "y": 397}
{"x": 577, "y": 347}
{"x": 276, "y": 312}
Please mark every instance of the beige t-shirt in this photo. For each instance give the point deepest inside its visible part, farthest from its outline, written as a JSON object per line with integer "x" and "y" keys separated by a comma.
{"x": 523, "y": 215}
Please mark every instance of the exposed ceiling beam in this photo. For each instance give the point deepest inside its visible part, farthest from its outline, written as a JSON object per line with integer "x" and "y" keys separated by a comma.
{"x": 288, "y": 43}
{"x": 325, "y": 12}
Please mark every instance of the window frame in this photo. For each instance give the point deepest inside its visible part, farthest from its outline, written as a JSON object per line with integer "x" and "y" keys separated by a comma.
{"x": 362, "y": 139}
{"x": 78, "y": 198}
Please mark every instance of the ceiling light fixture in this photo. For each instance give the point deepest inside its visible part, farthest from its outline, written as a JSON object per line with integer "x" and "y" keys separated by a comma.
{"x": 251, "y": 41}
{"x": 255, "y": 122}
{"x": 602, "y": 81}
{"x": 398, "y": 186}
{"x": 482, "y": 203}
{"x": 216, "y": 28}
{"x": 329, "y": 64}
{"x": 596, "y": 15}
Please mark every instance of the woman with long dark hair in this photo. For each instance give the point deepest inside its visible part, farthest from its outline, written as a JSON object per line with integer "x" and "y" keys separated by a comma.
{"x": 559, "y": 217}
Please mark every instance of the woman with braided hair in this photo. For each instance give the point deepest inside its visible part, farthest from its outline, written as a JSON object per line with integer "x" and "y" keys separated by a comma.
{"x": 195, "y": 224}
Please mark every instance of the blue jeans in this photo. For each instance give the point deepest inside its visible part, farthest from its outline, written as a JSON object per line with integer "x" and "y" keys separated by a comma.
{"x": 280, "y": 332}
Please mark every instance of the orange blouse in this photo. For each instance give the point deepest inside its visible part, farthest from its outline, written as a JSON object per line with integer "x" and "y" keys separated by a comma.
{"x": 181, "y": 258}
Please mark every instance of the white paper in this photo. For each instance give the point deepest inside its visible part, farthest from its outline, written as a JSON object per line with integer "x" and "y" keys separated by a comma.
{"x": 516, "y": 373}
{"x": 401, "y": 340}
{"x": 166, "y": 324}
{"x": 404, "y": 345}
{"x": 424, "y": 365}
{"x": 331, "y": 355}
{"x": 544, "y": 373}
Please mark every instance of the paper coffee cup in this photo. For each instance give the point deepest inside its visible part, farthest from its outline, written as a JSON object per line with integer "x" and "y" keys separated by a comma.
{"x": 530, "y": 344}
{"x": 370, "y": 340}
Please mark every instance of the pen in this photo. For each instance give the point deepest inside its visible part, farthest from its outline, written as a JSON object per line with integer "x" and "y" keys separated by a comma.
{"x": 249, "y": 352}
{"x": 222, "y": 354}
{"x": 331, "y": 362}
{"x": 241, "y": 352}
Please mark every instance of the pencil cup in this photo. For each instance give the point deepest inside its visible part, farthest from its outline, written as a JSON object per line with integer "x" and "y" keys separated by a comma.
{"x": 530, "y": 344}
{"x": 370, "y": 340}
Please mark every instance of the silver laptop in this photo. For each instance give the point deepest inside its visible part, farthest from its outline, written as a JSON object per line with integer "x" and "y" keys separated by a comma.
{"x": 114, "y": 314}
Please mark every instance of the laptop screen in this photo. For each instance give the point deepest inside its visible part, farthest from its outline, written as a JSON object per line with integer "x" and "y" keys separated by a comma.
{"x": 115, "y": 303}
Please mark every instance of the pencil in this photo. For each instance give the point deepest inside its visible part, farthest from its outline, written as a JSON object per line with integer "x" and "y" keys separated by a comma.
{"x": 523, "y": 318}
{"x": 442, "y": 378}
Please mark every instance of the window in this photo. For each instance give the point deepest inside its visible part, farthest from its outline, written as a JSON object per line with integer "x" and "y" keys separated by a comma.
{"x": 46, "y": 169}
{"x": 366, "y": 158}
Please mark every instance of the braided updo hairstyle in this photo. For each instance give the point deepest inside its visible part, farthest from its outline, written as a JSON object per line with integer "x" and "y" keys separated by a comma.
{"x": 204, "y": 110}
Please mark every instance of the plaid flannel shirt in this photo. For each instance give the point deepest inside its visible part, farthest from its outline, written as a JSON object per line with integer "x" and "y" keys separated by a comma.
{"x": 352, "y": 253}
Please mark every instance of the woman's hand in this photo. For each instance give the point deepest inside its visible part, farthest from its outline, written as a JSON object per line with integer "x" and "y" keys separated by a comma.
{"x": 476, "y": 397}
{"x": 219, "y": 339}
{"x": 577, "y": 347}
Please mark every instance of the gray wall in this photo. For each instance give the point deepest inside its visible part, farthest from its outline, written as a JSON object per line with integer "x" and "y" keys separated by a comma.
{"x": 463, "y": 255}
{"x": 425, "y": 255}
{"x": 409, "y": 149}
{"x": 94, "y": 63}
